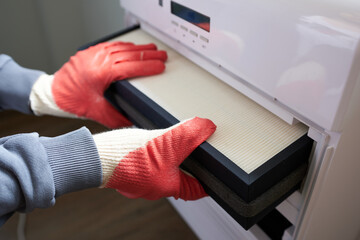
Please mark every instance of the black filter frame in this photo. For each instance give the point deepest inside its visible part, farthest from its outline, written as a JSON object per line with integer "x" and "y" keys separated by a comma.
{"x": 246, "y": 197}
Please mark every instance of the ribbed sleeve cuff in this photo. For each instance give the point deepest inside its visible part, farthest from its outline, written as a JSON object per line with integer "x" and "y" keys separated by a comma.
{"x": 74, "y": 161}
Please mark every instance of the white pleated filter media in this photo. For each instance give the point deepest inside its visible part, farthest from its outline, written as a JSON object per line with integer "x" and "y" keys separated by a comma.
{"x": 247, "y": 134}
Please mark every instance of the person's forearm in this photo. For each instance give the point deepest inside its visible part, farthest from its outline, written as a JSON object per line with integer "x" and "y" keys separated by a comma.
{"x": 35, "y": 170}
{"x": 15, "y": 85}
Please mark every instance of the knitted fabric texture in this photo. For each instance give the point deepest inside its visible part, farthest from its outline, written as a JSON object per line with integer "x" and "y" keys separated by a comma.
{"x": 145, "y": 163}
{"x": 42, "y": 101}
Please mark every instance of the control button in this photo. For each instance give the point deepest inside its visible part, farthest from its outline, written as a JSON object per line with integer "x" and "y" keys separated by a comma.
{"x": 193, "y": 33}
{"x": 175, "y": 23}
{"x": 183, "y": 28}
{"x": 204, "y": 39}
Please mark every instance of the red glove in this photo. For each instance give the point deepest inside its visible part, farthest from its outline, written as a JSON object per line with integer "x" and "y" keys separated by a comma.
{"x": 77, "y": 89}
{"x": 145, "y": 164}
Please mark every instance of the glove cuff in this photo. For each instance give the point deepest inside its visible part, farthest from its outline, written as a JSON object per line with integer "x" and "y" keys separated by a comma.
{"x": 42, "y": 100}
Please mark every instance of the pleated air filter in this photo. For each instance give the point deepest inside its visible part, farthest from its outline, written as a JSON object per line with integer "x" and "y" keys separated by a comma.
{"x": 252, "y": 155}
{"x": 247, "y": 133}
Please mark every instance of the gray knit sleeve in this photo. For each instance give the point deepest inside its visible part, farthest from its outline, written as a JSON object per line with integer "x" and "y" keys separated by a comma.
{"x": 35, "y": 170}
{"x": 15, "y": 85}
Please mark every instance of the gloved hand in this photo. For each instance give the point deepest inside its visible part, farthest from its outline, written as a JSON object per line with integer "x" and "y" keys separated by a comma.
{"x": 145, "y": 163}
{"x": 77, "y": 89}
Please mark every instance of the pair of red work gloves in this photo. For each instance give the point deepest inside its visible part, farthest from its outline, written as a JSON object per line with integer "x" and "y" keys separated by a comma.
{"x": 135, "y": 162}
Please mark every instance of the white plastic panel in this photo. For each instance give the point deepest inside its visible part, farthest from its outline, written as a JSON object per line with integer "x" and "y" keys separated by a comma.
{"x": 298, "y": 52}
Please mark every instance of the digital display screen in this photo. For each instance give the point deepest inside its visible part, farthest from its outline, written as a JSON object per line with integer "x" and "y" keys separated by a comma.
{"x": 191, "y": 16}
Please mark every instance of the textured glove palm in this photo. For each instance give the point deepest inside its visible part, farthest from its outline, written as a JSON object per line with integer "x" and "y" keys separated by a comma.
{"x": 145, "y": 163}
{"x": 78, "y": 86}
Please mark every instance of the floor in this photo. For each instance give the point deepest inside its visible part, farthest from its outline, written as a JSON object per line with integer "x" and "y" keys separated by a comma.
{"x": 94, "y": 213}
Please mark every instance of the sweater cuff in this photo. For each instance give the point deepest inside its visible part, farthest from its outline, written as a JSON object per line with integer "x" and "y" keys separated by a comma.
{"x": 74, "y": 161}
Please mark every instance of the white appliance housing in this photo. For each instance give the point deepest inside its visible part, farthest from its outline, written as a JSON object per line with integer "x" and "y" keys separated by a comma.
{"x": 301, "y": 61}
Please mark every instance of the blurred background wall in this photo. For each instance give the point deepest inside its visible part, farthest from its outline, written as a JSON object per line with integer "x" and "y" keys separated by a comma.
{"x": 43, "y": 34}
